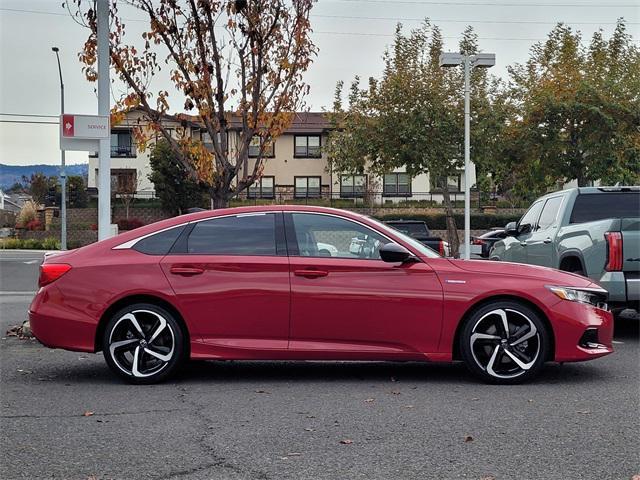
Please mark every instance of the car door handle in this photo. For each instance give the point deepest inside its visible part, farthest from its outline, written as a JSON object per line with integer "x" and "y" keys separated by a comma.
{"x": 310, "y": 273}
{"x": 547, "y": 240}
{"x": 186, "y": 271}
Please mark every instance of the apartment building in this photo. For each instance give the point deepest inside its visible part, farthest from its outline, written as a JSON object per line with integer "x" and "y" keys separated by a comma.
{"x": 295, "y": 166}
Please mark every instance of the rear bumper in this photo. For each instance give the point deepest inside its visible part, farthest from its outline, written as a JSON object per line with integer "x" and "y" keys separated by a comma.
{"x": 570, "y": 321}
{"x": 58, "y": 327}
{"x": 623, "y": 287}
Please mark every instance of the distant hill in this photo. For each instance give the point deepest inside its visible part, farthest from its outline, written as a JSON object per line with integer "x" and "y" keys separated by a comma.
{"x": 10, "y": 174}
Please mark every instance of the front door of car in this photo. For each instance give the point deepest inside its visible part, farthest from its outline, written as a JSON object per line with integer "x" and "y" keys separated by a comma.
{"x": 346, "y": 301}
{"x": 540, "y": 244}
{"x": 230, "y": 275}
{"x": 516, "y": 246}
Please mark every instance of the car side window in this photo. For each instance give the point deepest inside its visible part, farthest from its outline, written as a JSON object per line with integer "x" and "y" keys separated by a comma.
{"x": 253, "y": 234}
{"x": 532, "y": 215}
{"x": 549, "y": 212}
{"x": 159, "y": 243}
{"x": 327, "y": 236}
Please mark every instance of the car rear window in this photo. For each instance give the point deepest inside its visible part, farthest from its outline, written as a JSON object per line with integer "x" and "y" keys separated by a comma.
{"x": 418, "y": 230}
{"x": 598, "y": 206}
{"x": 159, "y": 243}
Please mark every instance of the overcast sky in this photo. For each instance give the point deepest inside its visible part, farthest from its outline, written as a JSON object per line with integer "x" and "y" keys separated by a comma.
{"x": 351, "y": 36}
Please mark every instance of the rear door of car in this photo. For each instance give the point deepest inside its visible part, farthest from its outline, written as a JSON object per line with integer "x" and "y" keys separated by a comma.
{"x": 350, "y": 302}
{"x": 230, "y": 275}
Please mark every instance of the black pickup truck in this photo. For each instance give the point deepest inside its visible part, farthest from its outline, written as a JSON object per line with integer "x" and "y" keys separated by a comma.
{"x": 420, "y": 231}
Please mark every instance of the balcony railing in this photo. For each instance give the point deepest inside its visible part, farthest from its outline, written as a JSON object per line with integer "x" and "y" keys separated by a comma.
{"x": 123, "y": 150}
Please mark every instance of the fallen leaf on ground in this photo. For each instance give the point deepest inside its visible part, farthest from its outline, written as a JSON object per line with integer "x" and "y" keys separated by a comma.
{"x": 262, "y": 391}
{"x": 468, "y": 438}
{"x": 369, "y": 400}
{"x": 88, "y": 413}
{"x": 294, "y": 454}
{"x": 488, "y": 478}
{"x": 584, "y": 412}
{"x": 346, "y": 441}
{"x": 475, "y": 398}
{"x": 408, "y": 406}
{"x": 309, "y": 430}
{"x": 395, "y": 392}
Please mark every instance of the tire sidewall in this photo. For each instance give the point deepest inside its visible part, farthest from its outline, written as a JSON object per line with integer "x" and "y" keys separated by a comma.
{"x": 465, "y": 348}
{"x": 179, "y": 346}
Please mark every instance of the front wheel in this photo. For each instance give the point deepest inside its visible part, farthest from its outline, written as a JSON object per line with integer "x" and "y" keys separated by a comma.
{"x": 504, "y": 342}
{"x": 143, "y": 343}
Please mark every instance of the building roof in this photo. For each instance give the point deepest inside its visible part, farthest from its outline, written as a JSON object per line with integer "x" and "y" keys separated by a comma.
{"x": 303, "y": 122}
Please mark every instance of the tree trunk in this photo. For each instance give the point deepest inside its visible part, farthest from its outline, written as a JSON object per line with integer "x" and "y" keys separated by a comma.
{"x": 218, "y": 200}
{"x": 452, "y": 230}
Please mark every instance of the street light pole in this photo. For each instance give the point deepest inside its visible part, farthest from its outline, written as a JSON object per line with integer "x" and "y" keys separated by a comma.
{"x": 480, "y": 60}
{"x": 467, "y": 157}
{"x": 63, "y": 173}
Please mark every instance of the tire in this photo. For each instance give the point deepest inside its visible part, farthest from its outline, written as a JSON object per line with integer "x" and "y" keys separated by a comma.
{"x": 496, "y": 357}
{"x": 143, "y": 343}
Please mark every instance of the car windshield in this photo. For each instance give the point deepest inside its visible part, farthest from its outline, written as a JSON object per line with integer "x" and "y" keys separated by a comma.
{"x": 415, "y": 244}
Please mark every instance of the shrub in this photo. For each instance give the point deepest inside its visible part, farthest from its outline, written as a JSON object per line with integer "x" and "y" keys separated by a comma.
{"x": 129, "y": 223}
{"x": 51, "y": 244}
{"x": 33, "y": 224}
{"x": 28, "y": 212}
{"x": 30, "y": 243}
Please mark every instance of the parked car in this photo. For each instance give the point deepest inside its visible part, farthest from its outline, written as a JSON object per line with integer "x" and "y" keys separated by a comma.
{"x": 593, "y": 232}
{"x": 420, "y": 231}
{"x": 252, "y": 283}
{"x": 486, "y": 240}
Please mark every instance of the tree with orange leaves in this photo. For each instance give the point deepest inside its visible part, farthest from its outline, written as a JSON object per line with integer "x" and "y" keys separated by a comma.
{"x": 242, "y": 58}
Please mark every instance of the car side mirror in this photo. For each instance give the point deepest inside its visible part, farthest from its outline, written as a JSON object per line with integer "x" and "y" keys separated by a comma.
{"x": 394, "y": 253}
{"x": 511, "y": 229}
{"x": 524, "y": 228}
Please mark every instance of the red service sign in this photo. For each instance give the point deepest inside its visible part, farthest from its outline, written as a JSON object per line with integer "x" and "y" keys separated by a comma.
{"x": 88, "y": 127}
{"x": 67, "y": 125}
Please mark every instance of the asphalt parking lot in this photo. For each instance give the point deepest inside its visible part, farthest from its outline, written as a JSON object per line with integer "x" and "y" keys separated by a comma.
{"x": 64, "y": 415}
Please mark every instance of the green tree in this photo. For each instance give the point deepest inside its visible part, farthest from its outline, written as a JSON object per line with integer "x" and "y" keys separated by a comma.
{"x": 175, "y": 189}
{"x": 579, "y": 110}
{"x": 77, "y": 192}
{"x": 412, "y": 116}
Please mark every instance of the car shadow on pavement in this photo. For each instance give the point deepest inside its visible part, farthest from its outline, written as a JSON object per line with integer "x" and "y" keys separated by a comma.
{"x": 626, "y": 329}
{"x": 357, "y": 372}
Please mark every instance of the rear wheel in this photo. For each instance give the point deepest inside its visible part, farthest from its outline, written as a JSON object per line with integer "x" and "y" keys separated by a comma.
{"x": 143, "y": 343}
{"x": 504, "y": 342}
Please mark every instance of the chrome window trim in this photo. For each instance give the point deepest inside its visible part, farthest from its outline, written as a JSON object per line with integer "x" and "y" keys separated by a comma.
{"x": 131, "y": 243}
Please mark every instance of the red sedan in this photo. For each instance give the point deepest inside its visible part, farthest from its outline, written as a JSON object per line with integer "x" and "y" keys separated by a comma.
{"x": 307, "y": 283}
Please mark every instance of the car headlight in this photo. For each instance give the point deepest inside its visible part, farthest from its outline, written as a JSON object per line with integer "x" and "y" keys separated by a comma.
{"x": 593, "y": 296}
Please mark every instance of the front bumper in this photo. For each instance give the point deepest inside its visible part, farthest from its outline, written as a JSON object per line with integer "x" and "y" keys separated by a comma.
{"x": 570, "y": 322}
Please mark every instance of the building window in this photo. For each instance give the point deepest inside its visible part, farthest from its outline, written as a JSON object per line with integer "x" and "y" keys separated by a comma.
{"x": 262, "y": 188}
{"x": 124, "y": 180}
{"x": 122, "y": 144}
{"x": 307, "y": 187}
{"x": 268, "y": 151}
{"x": 307, "y": 146}
{"x": 397, "y": 185}
{"x": 205, "y": 138}
{"x": 353, "y": 185}
{"x": 454, "y": 183}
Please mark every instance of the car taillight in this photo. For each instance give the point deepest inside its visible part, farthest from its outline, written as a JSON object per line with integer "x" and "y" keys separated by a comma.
{"x": 477, "y": 241}
{"x": 50, "y": 272}
{"x": 614, "y": 251}
{"x": 441, "y": 248}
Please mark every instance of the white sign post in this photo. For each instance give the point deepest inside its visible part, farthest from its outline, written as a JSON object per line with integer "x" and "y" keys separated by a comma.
{"x": 83, "y": 132}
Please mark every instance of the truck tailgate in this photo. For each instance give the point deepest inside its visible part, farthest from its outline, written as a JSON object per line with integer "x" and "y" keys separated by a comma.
{"x": 630, "y": 228}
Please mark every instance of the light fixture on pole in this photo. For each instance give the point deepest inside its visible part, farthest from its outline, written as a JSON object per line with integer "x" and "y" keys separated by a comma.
{"x": 479, "y": 60}
{"x": 63, "y": 173}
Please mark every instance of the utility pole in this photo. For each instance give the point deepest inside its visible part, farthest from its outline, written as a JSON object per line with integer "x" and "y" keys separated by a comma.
{"x": 104, "y": 149}
{"x": 63, "y": 173}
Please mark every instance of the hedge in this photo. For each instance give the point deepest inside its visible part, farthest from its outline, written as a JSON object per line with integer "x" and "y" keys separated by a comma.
{"x": 438, "y": 221}
{"x": 30, "y": 244}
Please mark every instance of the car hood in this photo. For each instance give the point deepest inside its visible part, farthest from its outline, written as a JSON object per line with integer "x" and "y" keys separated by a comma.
{"x": 550, "y": 275}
